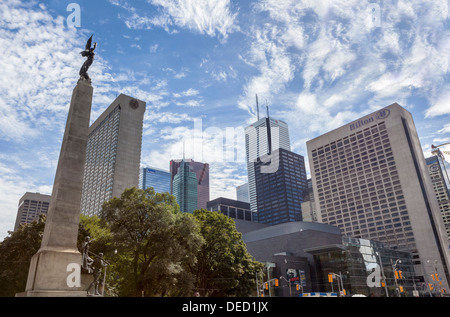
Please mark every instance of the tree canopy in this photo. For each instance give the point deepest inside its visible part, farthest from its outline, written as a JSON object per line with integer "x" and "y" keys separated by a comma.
{"x": 153, "y": 249}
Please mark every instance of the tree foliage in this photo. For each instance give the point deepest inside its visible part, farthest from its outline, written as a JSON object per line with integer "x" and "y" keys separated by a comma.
{"x": 16, "y": 251}
{"x": 156, "y": 243}
{"x": 153, "y": 249}
{"x": 224, "y": 266}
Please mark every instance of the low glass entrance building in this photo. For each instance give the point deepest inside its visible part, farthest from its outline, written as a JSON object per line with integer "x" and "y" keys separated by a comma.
{"x": 366, "y": 267}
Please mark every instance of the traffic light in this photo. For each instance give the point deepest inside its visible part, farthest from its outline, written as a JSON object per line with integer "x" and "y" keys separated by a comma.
{"x": 398, "y": 274}
{"x": 266, "y": 285}
{"x": 276, "y": 283}
{"x": 297, "y": 287}
{"x": 401, "y": 289}
{"x": 330, "y": 278}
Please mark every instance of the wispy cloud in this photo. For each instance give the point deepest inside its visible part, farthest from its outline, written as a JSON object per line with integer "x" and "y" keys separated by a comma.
{"x": 209, "y": 17}
{"x": 347, "y": 66}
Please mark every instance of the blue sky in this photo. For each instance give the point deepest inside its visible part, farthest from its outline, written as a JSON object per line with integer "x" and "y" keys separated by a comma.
{"x": 318, "y": 64}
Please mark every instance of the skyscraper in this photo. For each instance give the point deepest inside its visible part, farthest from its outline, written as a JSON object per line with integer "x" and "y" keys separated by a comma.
{"x": 113, "y": 153}
{"x": 185, "y": 187}
{"x": 279, "y": 194}
{"x": 242, "y": 193}
{"x": 201, "y": 171}
{"x": 263, "y": 137}
{"x": 441, "y": 188}
{"x": 31, "y": 206}
{"x": 156, "y": 178}
{"x": 370, "y": 179}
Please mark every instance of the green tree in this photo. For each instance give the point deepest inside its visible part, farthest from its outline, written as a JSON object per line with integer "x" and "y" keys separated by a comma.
{"x": 156, "y": 243}
{"x": 16, "y": 251}
{"x": 224, "y": 266}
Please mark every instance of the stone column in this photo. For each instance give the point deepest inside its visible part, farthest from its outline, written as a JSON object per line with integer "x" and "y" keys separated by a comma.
{"x": 52, "y": 266}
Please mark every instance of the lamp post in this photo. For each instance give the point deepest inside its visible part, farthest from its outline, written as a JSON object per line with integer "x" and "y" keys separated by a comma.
{"x": 394, "y": 267}
{"x": 289, "y": 281}
{"x": 382, "y": 273}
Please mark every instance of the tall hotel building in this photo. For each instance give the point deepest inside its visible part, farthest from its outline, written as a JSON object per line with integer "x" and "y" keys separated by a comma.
{"x": 113, "y": 153}
{"x": 201, "y": 171}
{"x": 261, "y": 138}
{"x": 371, "y": 180}
{"x": 156, "y": 178}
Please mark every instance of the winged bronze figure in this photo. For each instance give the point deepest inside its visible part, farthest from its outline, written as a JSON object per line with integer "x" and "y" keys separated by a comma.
{"x": 89, "y": 53}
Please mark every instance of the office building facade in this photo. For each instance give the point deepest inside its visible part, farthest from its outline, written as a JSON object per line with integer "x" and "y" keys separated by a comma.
{"x": 113, "y": 153}
{"x": 261, "y": 138}
{"x": 156, "y": 178}
{"x": 370, "y": 179}
{"x": 235, "y": 209}
{"x": 185, "y": 187}
{"x": 31, "y": 206}
{"x": 441, "y": 187}
{"x": 242, "y": 193}
{"x": 201, "y": 171}
{"x": 280, "y": 190}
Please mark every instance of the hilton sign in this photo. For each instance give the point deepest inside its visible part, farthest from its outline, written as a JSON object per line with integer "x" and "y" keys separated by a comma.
{"x": 380, "y": 115}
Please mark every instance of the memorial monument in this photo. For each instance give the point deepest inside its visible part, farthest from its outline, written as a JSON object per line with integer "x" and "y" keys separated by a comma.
{"x": 55, "y": 270}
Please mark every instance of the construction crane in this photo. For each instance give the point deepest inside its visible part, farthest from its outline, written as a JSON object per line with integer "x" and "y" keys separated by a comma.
{"x": 436, "y": 151}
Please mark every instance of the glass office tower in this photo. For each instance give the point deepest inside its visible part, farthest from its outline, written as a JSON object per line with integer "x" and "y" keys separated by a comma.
{"x": 280, "y": 192}
{"x": 185, "y": 187}
{"x": 156, "y": 178}
{"x": 201, "y": 171}
{"x": 262, "y": 137}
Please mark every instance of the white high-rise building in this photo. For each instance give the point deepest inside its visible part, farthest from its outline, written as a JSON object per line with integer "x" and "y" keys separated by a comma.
{"x": 113, "y": 153}
{"x": 371, "y": 180}
{"x": 262, "y": 137}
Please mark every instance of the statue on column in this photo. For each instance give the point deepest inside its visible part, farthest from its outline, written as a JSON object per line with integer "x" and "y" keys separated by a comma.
{"x": 86, "y": 260}
{"x": 89, "y": 53}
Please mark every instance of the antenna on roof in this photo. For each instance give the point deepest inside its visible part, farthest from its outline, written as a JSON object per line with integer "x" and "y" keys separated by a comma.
{"x": 257, "y": 106}
{"x": 267, "y": 107}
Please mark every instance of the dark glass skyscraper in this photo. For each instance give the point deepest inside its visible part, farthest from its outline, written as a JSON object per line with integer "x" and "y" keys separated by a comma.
{"x": 156, "y": 178}
{"x": 280, "y": 187}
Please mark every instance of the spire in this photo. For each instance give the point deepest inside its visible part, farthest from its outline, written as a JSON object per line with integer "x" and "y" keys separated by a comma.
{"x": 257, "y": 106}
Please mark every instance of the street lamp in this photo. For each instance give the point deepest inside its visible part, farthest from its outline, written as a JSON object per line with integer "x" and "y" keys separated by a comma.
{"x": 289, "y": 281}
{"x": 394, "y": 268}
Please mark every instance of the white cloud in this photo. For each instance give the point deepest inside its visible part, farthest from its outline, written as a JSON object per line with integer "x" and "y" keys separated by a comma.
{"x": 187, "y": 93}
{"x": 441, "y": 106}
{"x": 209, "y": 17}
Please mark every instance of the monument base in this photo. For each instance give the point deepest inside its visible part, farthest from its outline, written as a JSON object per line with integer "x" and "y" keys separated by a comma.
{"x": 55, "y": 274}
{"x": 52, "y": 294}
